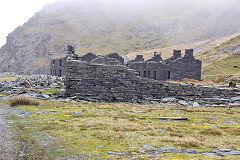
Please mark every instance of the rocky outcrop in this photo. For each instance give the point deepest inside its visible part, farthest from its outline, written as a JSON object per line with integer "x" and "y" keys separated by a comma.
{"x": 26, "y": 53}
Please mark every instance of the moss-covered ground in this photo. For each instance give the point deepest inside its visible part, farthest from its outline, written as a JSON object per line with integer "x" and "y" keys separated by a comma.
{"x": 93, "y": 129}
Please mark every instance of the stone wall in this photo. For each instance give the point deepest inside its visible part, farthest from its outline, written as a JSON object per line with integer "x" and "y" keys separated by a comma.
{"x": 57, "y": 67}
{"x": 174, "y": 68}
{"x": 186, "y": 67}
{"x": 117, "y": 83}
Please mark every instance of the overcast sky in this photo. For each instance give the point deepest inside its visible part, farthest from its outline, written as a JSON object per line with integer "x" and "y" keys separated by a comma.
{"x": 14, "y": 13}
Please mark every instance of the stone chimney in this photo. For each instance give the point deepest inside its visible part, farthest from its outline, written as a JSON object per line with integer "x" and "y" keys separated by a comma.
{"x": 176, "y": 54}
{"x": 139, "y": 58}
{"x": 157, "y": 56}
{"x": 71, "y": 53}
{"x": 189, "y": 53}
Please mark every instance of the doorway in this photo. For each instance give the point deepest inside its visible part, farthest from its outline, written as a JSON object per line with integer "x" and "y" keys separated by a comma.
{"x": 169, "y": 75}
{"x": 155, "y": 75}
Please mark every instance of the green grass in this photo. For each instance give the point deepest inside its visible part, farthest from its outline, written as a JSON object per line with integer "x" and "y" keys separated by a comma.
{"x": 5, "y": 101}
{"x": 222, "y": 67}
{"x": 8, "y": 78}
{"x": 231, "y": 41}
{"x": 50, "y": 90}
{"x": 225, "y": 69}
{"x": 116, "y": 128}
{"x": 26, "y": 143}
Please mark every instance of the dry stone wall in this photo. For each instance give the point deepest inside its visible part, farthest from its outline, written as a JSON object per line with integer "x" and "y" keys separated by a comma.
{"x": 118, "y": 83}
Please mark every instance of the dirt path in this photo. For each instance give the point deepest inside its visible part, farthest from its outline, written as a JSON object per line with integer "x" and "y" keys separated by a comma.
{"x": 7, "y": 144}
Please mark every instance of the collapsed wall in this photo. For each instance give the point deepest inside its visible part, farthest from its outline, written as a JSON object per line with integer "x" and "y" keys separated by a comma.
{"x": 118, "y": 83}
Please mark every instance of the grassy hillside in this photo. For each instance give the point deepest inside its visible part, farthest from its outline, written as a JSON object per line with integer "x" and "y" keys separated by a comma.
{"x": 222, "y": 63}
{"x": 198, "y": 46}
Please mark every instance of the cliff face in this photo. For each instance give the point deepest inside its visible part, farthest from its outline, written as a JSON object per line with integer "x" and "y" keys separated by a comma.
{"x": 26, "y": 53}
{"x": 104, "y": 26}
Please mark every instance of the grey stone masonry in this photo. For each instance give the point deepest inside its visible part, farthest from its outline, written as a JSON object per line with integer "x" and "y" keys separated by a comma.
{"x": 116, "y": 56}
{"x": 176, "y": 54}
{"x": 157, "y": 57}
{"x": 88, "y": 57}
{"x": 106, "y": 61}
{"x": 174, "y": 68}
{"x": 118, "y": 83}
{"x": 57, "y": 67}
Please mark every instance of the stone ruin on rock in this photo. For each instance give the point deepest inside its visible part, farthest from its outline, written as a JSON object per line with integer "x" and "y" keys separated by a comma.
{"x": 174, "y": 68}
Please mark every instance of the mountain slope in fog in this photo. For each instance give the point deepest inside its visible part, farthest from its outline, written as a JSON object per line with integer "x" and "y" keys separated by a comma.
{"x": 104, "y": 26}
{"x": 222, "y": 63}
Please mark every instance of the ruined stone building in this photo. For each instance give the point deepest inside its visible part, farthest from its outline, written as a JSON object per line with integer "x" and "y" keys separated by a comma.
{"x": 104, "y": 79}
{"x": 107, "y": 78}
{"x": 174, "y": 68}
{"x": 57, "y": 66}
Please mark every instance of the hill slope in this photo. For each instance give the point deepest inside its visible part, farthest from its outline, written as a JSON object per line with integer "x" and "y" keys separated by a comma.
{"x": 223, "y": 61}
{"x": 104, "y": 26}
{"x": 198, "y": 46}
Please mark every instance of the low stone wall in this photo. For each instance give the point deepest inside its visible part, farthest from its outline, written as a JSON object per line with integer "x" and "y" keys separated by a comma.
{"x": 95, "y": 82}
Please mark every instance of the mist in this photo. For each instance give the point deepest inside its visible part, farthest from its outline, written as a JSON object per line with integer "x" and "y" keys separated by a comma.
{"x": 122, "y": 26}
{"x": 147, "y": 9}
{"x": 143, "y": 4}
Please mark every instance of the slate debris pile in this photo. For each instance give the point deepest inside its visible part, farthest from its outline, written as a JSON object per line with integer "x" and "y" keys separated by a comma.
{"x": 30, "y": 85}
{"x": 40, "y": 81}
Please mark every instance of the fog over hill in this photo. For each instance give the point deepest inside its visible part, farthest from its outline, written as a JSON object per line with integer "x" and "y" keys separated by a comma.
{"x": 122, "y": 26}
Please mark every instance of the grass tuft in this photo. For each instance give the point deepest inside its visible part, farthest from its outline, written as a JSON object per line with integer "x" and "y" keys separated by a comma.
{"x": 23, "y": 100}
{"x": 211, "y": 131}
{"x": 188, "y": 142}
